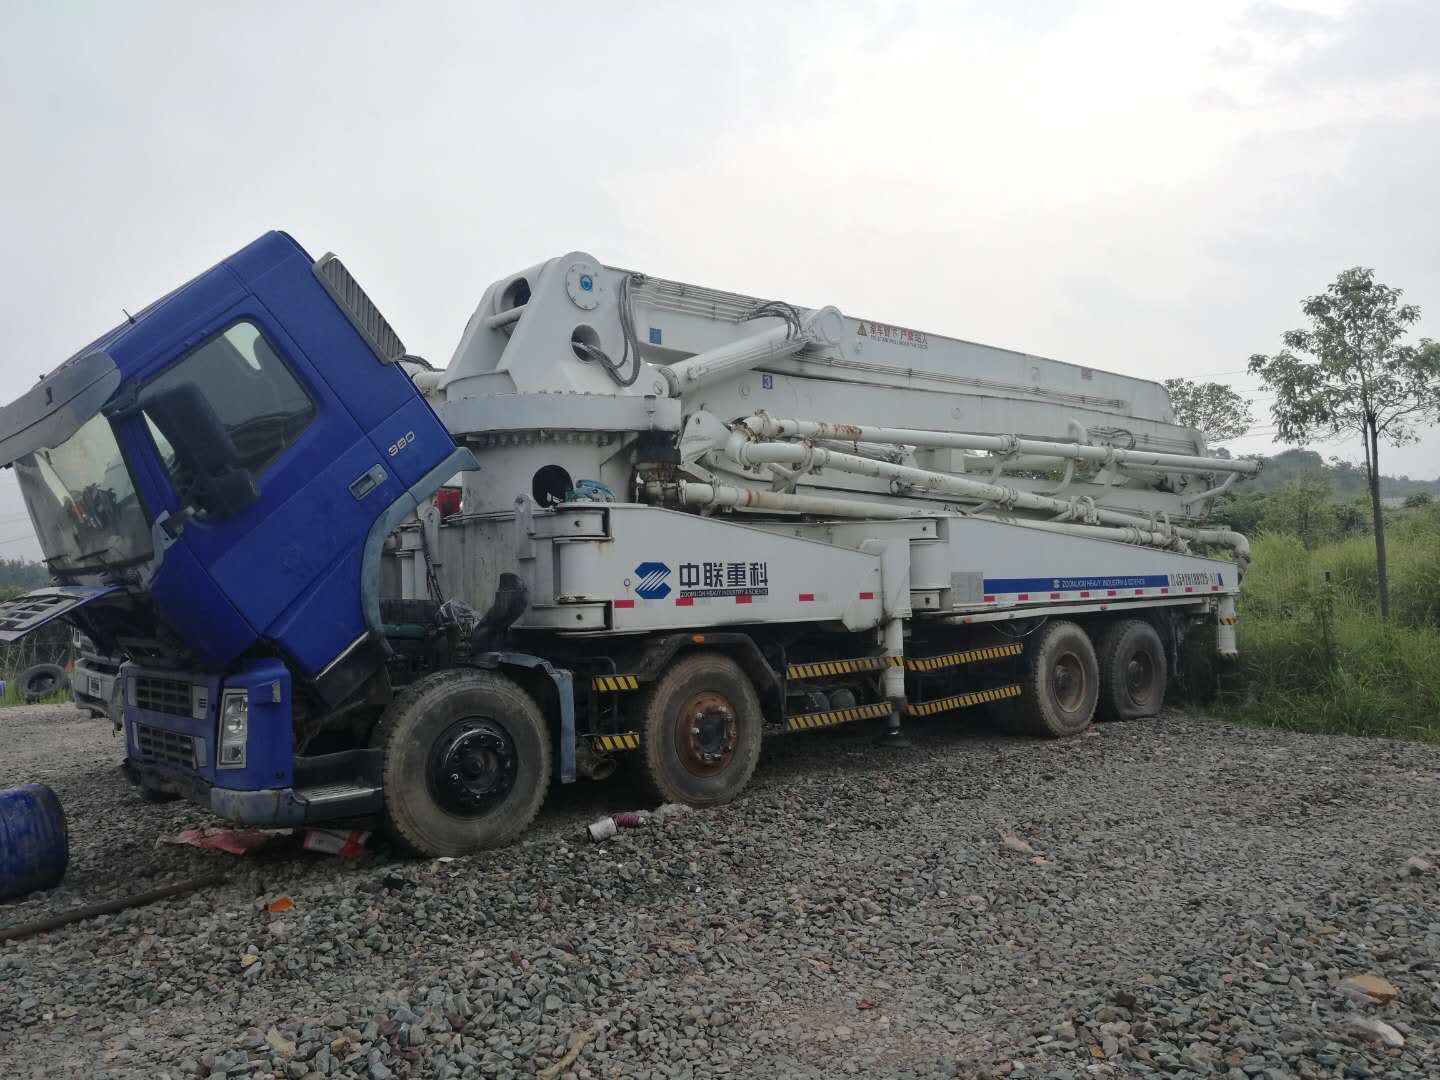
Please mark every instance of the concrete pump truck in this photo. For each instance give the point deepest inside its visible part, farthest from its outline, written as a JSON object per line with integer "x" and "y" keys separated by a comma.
{"x": 686, "y": 518}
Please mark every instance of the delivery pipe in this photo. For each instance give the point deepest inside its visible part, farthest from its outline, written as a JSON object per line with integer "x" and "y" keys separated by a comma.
{"x": 723, "y": 495}
{"x": 686, "y": 493}
{"x": 774, "y": 427}
{"x": 742, "y": 448}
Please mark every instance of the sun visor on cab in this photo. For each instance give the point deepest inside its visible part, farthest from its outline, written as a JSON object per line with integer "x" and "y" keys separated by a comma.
{"x": 54, "y": 408}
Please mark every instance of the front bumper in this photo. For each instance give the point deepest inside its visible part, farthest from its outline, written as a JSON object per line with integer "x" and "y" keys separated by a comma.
{"x": 92, "y": 687}
{"x": 328, "y": 788}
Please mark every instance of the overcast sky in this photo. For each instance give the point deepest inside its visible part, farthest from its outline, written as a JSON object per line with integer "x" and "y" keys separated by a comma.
{"x": 1149, "y": 188}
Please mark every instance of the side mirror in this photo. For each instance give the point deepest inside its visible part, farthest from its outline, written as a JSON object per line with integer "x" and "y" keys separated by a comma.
{"x": 219, "y": 484}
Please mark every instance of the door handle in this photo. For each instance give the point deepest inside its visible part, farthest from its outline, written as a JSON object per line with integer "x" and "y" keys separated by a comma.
{"x": 368, "y": 481}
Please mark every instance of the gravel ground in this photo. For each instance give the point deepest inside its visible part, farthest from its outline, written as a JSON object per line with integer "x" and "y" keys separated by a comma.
{"x": 1179, "y": 897}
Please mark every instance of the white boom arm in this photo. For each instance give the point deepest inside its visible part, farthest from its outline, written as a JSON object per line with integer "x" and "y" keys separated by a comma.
{"x": 575, "y": 371}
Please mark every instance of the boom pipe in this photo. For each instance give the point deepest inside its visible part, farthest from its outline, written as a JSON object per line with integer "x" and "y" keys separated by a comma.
{"x": 774, "y": 427}
{"x": 821, "y": 327}
{"x": 744, "y": 450}
{"x": 1121, "y": 534}
{"x": 690, "y": 493}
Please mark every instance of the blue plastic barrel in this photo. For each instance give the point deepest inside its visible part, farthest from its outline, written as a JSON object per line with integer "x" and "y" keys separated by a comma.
{"x": 34, "y": 845}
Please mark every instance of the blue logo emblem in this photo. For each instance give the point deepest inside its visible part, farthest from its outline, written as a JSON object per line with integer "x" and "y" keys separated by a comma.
{"x": 587, "y": 282}
{"x": 653, "y": 584}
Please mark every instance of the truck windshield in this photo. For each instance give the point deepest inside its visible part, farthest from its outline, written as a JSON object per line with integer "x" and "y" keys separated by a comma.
{"x": 82, "y": 501}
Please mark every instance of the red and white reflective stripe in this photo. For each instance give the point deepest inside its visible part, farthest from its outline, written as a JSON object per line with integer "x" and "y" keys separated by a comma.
{"x": 684, "y": 601}
{"x": 807, "y": 598}
{"x": 624, "y": 603}
{"x": 743, "y": 599}
{"x": 867, "y": 596}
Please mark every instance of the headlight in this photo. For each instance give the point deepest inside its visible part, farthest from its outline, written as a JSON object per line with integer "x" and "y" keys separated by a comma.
{"x": 234, "y": 728}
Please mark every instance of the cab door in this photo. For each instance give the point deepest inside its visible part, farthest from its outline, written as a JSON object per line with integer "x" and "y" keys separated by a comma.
{"x": 318, "y": 483}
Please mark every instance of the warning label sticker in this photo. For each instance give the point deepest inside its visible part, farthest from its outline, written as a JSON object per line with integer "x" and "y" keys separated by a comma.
{"x": 894, "y": 335}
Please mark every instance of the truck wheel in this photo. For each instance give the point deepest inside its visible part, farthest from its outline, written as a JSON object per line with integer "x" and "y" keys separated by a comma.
{"x": 1132, "y": 671}
{"x": 1062, "y": 682}
{"x": 41, "y": 681}
{"x": 699, "y": 731}
{"x": 465, "y": 763}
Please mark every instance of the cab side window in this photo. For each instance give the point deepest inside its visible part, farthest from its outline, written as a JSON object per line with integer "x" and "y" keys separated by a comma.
{"x": 260, "y": 404}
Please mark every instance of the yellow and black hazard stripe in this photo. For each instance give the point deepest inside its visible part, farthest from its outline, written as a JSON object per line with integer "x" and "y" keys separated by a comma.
{"x": 837, "y": 716}
{"x": 820, "y": 668}
{"x": 970, "y": 656}
{"x": 961, "y": 701}
{"x": 1228, "y": 620}
{"x": 626, "y": 740}
{"x": 615, "y": 682}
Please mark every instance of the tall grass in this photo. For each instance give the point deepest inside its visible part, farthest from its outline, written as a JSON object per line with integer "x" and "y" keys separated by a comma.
{"x": 1315, "y": 655}
{"x": 12, "y": 695}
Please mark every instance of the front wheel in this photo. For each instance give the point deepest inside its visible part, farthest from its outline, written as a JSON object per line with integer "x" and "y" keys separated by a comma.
{"x": 700, "y": 731}
{"x": 465, "y": 763}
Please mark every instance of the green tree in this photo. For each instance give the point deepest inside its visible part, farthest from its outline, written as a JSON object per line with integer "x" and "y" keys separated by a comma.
{"x": 1418, "y": 500}
{"x": 1213, "y": 409}
{"x": 1350, "y": 373}
{"x": 1304, "y": 507}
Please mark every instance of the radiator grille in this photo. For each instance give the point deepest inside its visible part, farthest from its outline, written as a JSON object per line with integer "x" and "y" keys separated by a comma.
{"x": 171, "y": 747}
{"x": 170, "y": 696}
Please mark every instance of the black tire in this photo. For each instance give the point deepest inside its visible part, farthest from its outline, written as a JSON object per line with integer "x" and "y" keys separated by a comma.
{"x": 703, "y": 705}
{"x": 1062, "y": 681}
{"x": 1133, "y": 672}
{"x": 42, "y": 680}
{"x": 156, "y": 797}
{"x": 465, "y": 763}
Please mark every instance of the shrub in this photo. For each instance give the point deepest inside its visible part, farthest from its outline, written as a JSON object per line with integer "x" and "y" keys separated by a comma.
{"x": 1317, "y": 664}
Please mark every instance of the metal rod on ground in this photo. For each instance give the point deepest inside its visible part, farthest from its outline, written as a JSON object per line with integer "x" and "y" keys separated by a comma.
{"x": 109, "y": 907}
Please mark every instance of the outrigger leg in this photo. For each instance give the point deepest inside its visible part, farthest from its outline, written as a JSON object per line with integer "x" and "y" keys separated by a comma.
{"x": 894, "y": 684}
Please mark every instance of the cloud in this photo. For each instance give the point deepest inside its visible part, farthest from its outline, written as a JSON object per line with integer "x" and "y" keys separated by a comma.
{"x": 1284, "y": 21}
{"x": 1373, "y": 42}
{"x": 1143, "y": 187}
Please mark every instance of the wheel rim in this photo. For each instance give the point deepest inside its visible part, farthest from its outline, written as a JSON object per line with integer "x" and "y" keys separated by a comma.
{"x": 707, "y": 731}
{"x": 1140, "y": 678}
{"x": 472, "y": 766}
{"x": 1067, "y": 682}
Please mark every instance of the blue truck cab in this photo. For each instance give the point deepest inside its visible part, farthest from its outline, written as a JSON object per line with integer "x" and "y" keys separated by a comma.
{"x": 212, "y": 483}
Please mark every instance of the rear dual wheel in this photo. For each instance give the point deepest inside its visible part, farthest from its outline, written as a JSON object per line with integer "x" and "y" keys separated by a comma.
{"x": 1133, "y": 671}
{"x": 1062, "y": 681}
